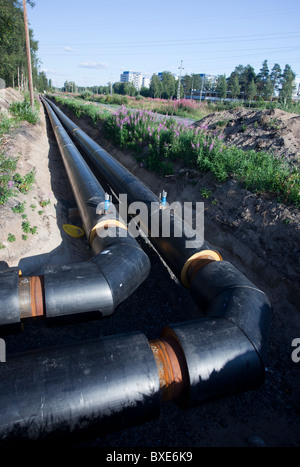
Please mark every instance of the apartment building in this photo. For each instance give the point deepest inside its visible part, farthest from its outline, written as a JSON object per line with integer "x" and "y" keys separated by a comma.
{"x": 132, "y": 77}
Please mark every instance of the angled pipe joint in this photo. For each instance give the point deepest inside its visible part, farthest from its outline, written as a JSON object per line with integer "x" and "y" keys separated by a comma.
{"x": 238, "y": 314}
{"x": 117, "y": 268}
{"x": 173, "y": 248}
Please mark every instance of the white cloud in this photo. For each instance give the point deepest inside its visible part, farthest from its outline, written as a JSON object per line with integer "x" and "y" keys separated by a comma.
{"x": 94, "y": 65}
{"x": 68, "y": 49}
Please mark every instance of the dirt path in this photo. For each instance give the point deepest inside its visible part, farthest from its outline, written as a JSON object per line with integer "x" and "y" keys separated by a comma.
{"x": 255, "y": 233}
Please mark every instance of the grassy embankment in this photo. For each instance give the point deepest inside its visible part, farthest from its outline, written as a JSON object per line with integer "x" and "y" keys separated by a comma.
{"x": 159, "y": 142}
{"x": 11, "y": 182}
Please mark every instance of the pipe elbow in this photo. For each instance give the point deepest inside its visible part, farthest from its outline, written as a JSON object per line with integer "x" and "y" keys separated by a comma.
{"x": 225, "y": 351}
{"x": 125, "y": 267}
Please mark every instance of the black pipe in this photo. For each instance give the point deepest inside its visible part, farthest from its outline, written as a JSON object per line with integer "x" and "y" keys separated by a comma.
{"x": 117, "y": 268}
{"x": 61, "y": 394}
{"x": 220, "y": 290}
{"x": 173, "y": 248}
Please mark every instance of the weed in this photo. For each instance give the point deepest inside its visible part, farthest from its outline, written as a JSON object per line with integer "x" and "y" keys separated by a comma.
{"x": 33, "y": 230}
{"x": 24, "y": 216}
{"x": 11, "y": 238}
{"x": 26, "y": 226}
{"x": 33, "y": 206}
{"x": 205, "y": 193}
{"x": 45, "y": 203}
{"x": 19, "y": 208}
{"x": 23, "y": 184}
{"x": 40, "y": 213}
{"x": 2, "y": 246}
{"x": 24, "y": 237}
{"x": 24, "y": 111}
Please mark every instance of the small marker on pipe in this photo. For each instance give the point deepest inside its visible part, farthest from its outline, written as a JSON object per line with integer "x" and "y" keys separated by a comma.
{"x": 163, "y": 199}
{"x": 106, "y": 203}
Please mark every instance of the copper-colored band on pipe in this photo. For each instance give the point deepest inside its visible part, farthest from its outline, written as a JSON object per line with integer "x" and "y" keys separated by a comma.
{"x": 196, "y": 262}
{"x": 105, "y": 224}
{"x": 31, "y": 301}
{"x": 170, "y": 366}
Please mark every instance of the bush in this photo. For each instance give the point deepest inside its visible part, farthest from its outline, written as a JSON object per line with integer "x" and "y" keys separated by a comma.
{"x": 24, "y": 111}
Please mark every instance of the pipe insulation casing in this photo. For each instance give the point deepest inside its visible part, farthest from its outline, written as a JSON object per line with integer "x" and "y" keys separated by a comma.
{"x": 125, "y": 266}
{"x": 223, "y": 291}
{"x": 86, "y": 188}
{"x": 76, "y": 288}
{"x": 220, "y": 360}
{"x": 9, "y": 303}
{"x": 108, "y": 384}
{"x": 172, "y": 248}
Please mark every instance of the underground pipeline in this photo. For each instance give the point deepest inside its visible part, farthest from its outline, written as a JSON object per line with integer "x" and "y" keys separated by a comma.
{"x": 221, "y": 291}
{"x": 117, "y": 268}
{"x": 121, "y": 181}
{"x": 97, "y": 387}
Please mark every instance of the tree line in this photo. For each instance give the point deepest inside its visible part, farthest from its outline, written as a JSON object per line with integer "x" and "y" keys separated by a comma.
{"x": 243, "y": 83}
{"x": 13, "y": 58}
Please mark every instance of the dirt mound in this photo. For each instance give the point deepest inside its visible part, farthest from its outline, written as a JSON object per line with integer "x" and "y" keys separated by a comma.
{"x": 7, "y": 96}
{"x": 272, "y": 130}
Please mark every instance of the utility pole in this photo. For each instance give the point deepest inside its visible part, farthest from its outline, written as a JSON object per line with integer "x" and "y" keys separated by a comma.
{"x": 179, "y": 80}
{"x": 28, "y": 55}
{"x": 203, "y": 77}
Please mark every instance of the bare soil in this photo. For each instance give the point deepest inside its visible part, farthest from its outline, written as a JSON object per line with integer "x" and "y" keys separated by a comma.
{"x": 257, "y": 234}
{"x": 271, "y": 130}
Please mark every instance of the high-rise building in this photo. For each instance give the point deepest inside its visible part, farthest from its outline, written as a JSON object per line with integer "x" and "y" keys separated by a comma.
{"x": 132, "y": 77}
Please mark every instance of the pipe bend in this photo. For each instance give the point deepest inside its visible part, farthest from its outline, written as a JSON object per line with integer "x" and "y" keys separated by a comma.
{"x": 220, "y": 360}
{"x": 125, "y": 267}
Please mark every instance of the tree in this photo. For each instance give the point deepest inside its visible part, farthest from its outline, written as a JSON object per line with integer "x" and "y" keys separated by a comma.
{"x": 168, "y": 83}
{"x": 13, "y": 61}
{"x": 275, "y": 77}
{"x": 287, "y": 85}
{"x": 155, "y": 86}
{"x": 69, "y": 86}
{"x": 251, "y": 90}
{"x": 234, "y": 85}
{"x": 268, "y": 90}
{"x": 263, "y": 79}
{"x": 42, "y": 83}
{"x": 222, "y": 86}
{"x": 246, "y": 79}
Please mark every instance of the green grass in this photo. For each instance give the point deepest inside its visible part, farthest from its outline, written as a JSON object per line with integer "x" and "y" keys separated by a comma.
{"x": 11, "y": 182}
{"x": 159, "y": 143}
{"x": 24, "y": 111}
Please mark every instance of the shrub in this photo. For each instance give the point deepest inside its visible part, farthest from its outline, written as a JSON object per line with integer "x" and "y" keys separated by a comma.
{"x": 24, "y": 111}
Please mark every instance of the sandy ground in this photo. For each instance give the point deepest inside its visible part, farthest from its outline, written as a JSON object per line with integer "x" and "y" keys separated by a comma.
{"x": 256, "y": 233}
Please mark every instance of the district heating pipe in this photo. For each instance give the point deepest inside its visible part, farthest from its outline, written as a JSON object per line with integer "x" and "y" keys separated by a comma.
{"x": 235, "y": 308}
{"x": 122, "y": 380}
{"x": 117, "y": 268}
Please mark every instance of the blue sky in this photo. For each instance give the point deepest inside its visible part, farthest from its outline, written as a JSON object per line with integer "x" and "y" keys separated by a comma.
{"x": 92, "y": 42}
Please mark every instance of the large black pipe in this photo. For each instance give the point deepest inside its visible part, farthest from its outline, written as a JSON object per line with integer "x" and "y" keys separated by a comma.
{"x": 211, "y": 357}
{"x": 59, "y": 393}
{"x": 220, "y": 290}
{"x": 172, "y": 248}
{"x": 117, "y": 268}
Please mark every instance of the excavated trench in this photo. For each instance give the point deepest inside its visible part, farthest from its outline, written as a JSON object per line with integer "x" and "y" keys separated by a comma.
{"x": 146, "y": 311}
